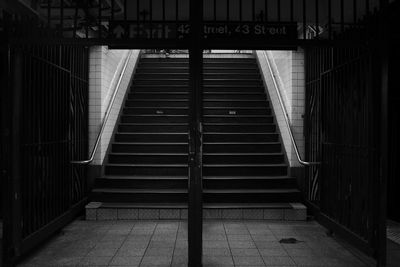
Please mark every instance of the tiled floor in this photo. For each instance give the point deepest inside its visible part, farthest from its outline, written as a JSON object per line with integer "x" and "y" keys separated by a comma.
{"x": 164, "y": 243}
{"x": 393, "y": 231}
{"x": 1, "y": 242}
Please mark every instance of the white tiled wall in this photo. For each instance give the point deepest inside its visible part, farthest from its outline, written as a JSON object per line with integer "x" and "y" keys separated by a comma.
{"x": 288, "y": 69}
{"x": 105, "y": 67}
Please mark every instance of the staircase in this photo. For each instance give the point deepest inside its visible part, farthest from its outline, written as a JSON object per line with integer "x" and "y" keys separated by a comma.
{"x": 244, "y": 167}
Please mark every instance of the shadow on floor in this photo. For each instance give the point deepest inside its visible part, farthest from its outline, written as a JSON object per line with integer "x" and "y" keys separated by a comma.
{"x": 164, "y": 243}
{"x": 393, "y": 254}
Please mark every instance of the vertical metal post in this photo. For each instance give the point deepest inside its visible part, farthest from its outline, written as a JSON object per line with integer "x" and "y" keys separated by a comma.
{"x": 304, "y": 20}
{"x": 382, "y": 209}
{"x": 317, "y": 18}
{"x": 278, "y": 6}
{"x": 5, "y": 175}
{"x": 99, "y": 22}
{"x": 195, "y": 213}
{"x": 228, "y": 17}
{"x": 49, "y": 13}
{"x": 13, "y": 224}
{"x": 342, "y": 16}
{"x": 384, "y": 126}
{"x": 240, "y": 10}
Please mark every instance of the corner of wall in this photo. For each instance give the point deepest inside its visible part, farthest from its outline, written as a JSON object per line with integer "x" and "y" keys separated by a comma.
{"x": 105, "y": 67}
{"x": 288, "y": 69}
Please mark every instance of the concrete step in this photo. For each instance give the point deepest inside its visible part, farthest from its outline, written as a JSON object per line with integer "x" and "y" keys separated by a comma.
{"x": 102, "y": 211}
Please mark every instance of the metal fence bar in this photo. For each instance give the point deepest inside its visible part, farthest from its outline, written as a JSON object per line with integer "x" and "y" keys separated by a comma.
{"x": 228, "y": 10}
{"x": 99, "y": 21}
{"x": 278, "y": 7}
{"x": 339, "y": 92}
{"x": 304, "y": 20}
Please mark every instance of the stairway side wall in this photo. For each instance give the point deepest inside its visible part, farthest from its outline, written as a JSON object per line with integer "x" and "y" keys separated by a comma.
{"x": 105, "y": 67}
{"x": 288, "y": 68}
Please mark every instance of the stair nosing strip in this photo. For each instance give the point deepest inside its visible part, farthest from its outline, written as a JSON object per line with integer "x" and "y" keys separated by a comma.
{"x": 152, "y": 143}
{"x": 247, "y": 124}
{"x": 156, "y": 107}
{"x": 236, "y": 133}
{"x": 141, "y": 191}
{"x": 250, "y": 191}
{"x": 155, "y": 124}
{"x": 263, "y": 107}
{"x": 246, "y": 178}
{"x": 239, "y": 116}
{"x": 242, "y": 154}
{"x": 157, "y": 133}
{"x": 131, "y": 177}
{"x": 147, "y": 154}
{"x": 243, "y": 165}
{"x": 145, "y": 165}
{"x": 154, "y": 115}
{"x": 241, "y": 143}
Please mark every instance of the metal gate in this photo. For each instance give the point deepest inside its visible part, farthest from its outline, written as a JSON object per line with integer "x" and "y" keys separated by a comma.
{"x": 313, "y": 24}
{"x": 46, "y": 120}
{"x": 343, "y": 133}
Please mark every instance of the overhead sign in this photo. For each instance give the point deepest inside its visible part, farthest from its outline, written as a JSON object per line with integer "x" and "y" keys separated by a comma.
{"x": 225, "y": 31}
{"x": 251, "y": 30}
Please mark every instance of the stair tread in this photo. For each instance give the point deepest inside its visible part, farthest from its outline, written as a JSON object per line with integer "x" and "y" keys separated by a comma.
{"x": 246, "y": 133}
{"x": 205, "y": 67}
{"x": 233, "y": 79}
{"x": 154, "y": 115}
{"x": 147, "y": 164}
{"x": 133, "y": 191}
{"x": 148, "y": 154}
{"x": 246, "y": 177}
{"x": 141, "y": 177}
{"x": 251, "y": 191}
{"x": 247, "y": 205}
{"x": 244, "y": 165}
{"x": 158, "y": 99}
{"x": 238, "y": 123}
{"x": 241, "y": 143}
{"x": 153, "y": 133}
{"x": 233, "y": 86}
{"x": 159, "y": 93}
{"x": 239, "y": 116}
{"x": 146, "y": 144}
{"x": 205, "y": 205}
{"x": 156, "y": 107}
{"x": 159, "y": 85}
{"x": 143, "y": 205}
{"x": 234, "y": 93}
{"x": 233, "y": 100}
{"x": 161, "y": 79}
{"x": 236, "y": 108}
{"x": 241, "y": 154}
{"x": 185, "y": 73}
{"x": 154, "y": 123}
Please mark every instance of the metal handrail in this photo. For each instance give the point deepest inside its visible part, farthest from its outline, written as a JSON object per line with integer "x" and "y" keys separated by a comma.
{"x": 302, "y": 162}
{"x": 103, "y": 126}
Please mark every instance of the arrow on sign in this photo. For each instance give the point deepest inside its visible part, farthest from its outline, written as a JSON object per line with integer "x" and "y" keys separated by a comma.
{"x": 119, "y": 31}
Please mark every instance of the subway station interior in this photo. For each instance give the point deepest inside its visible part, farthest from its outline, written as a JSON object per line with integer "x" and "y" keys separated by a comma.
{"x": 199, "y": 133}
